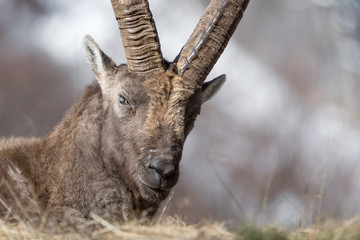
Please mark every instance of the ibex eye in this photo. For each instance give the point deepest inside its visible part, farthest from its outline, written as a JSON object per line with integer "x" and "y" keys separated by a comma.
{"x": 123, "y": 100}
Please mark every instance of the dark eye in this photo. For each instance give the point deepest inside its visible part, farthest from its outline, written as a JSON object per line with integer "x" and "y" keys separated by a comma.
{"x": 123, "y": 100}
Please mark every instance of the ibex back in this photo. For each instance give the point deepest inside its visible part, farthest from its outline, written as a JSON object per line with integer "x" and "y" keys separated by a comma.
{"x": 116, "y": 152}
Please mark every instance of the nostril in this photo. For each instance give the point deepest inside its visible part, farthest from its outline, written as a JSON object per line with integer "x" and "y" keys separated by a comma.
{"x": 153, "y": 166}
{"x": 164, "y": 170}
{"x": 168, "y": 171}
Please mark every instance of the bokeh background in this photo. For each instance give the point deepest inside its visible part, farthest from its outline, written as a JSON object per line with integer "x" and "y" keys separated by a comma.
{"x": 280, "y": 143}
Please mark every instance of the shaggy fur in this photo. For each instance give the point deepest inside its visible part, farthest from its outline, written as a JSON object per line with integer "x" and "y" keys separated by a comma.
{"x": 116, "y": 153}
{"x": 116, "y": 160}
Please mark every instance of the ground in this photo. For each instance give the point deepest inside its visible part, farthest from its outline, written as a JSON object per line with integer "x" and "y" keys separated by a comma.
{"x": 174, "y": 229}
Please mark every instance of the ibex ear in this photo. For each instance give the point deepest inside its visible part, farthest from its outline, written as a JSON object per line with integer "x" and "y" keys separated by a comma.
{"x": 100, "y": 63}
{"x": 211, "y": 87}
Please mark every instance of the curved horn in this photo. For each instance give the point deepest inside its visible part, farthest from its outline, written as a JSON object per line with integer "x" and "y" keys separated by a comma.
{"x": 139, "y": 35}
{"x": 210, "y": 38}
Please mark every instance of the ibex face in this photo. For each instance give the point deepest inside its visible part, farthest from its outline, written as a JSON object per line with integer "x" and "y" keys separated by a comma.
{"x": 150, "y": 105}
{"x": 148, "y": 116}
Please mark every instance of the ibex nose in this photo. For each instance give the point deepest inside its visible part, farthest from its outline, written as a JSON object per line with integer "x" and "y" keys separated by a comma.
{"x": 162, "y": 168}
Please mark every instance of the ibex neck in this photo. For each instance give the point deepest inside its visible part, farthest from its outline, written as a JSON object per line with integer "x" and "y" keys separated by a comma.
{"x": 72, "y": 151}
{"x": 80, "y": 129}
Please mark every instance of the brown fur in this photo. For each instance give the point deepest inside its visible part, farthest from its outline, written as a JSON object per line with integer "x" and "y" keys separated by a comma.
{"x": 116, "y": 152}
{"x": 92, "y": 160}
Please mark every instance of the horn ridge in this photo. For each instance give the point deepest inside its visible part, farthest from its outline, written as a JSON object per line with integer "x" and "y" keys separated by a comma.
{"x": 139, "y": 35}
{"x": 209, "y": 39}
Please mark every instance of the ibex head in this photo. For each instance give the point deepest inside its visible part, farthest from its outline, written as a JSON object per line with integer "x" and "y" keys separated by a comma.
{"x": 150, "y": 105}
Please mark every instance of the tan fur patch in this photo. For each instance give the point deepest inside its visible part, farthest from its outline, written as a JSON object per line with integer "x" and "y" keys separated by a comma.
{"x": 168, "y": 98}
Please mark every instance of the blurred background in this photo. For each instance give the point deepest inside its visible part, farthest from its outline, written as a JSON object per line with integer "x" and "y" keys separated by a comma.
{"x": 279, "y": 144}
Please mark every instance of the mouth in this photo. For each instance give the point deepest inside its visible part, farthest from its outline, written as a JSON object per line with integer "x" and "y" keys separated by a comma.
{"x": 157, "y": 183}
{"x": 151, "y": 186}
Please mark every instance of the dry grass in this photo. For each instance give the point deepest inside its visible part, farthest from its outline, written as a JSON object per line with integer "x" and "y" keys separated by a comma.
{"x": 168, "y": 229}
{"x": 174, "y": 229}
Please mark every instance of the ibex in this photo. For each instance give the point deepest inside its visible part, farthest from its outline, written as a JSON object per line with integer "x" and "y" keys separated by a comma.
{"x": 116, "y": 152}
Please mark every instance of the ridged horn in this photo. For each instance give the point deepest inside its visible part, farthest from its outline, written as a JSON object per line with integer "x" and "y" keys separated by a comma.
{"x": 210, "y": 38}
{"x": 139, "y": 35}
